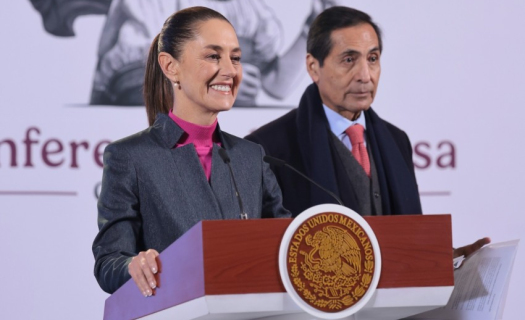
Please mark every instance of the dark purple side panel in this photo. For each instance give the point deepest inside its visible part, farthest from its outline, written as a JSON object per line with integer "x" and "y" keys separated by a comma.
{"x": 182, "y": 281}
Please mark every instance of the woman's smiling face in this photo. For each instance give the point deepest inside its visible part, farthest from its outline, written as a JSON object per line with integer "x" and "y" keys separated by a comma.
{"x": 209, "y": 71}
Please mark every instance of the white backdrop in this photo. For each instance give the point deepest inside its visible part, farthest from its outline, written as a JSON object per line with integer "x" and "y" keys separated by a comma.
{"x": 452, "y": 78}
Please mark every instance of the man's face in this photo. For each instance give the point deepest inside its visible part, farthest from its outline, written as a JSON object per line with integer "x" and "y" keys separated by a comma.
{"x": 349, "y": 77}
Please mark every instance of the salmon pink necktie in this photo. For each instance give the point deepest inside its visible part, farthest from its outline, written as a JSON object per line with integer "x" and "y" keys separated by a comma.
{"x": 356, "y": 135}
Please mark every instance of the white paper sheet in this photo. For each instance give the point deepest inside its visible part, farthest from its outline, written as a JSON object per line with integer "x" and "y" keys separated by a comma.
{"x": 480, "y": 285}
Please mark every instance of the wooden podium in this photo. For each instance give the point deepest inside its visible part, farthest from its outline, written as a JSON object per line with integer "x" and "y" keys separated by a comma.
{"x": 228, "y": 269}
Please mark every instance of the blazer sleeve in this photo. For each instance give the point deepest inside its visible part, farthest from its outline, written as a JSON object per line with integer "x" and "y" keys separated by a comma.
{"x": 272, "y": 202}
{"x": 119, "y": 220}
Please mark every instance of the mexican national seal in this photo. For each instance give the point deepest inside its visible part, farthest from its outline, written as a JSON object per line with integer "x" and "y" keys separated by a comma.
{"x": 330, "y": 261}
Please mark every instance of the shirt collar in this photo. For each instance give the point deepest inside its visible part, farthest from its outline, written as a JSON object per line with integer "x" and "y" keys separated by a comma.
{"x": 338, "y": 123}
{"x": 194, "y": 133}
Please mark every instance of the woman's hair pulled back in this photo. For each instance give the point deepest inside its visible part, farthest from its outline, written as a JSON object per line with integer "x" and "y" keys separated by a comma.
{"x": 178, "y": 29}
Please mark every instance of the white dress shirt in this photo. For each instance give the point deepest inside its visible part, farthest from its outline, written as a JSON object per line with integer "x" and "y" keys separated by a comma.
{"x": 339, "y": 124}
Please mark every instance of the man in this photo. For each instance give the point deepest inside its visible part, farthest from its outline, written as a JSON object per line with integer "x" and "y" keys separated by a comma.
{"x": 344, "y": 49}
{"x": 335, "y": 137}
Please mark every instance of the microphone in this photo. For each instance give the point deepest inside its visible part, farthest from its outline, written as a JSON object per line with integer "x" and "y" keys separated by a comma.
{"x": 224, "y": 156}
{"x": 281, "y": 163}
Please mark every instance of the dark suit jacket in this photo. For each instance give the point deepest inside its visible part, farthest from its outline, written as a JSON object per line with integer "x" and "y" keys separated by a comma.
{"x": 302, "y": 139}
{"x": 152, "y": 193}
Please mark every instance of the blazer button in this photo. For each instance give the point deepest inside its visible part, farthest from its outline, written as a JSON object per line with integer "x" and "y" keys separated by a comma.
{"x": 376, "y": 194}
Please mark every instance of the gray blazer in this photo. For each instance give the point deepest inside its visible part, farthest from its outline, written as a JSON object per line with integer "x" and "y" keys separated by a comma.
{"x": 152, "y": 193}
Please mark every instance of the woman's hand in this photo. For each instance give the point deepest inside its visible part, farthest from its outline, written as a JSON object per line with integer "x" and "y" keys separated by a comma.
{"x": 142, "y": 269}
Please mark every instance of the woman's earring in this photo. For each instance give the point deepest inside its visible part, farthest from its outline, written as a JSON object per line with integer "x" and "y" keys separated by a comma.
{"x": 176, "y": 84}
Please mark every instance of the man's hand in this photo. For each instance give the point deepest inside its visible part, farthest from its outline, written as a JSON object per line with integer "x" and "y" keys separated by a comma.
{"x": 142, "y": 269}
{"x": 471, "y": 248}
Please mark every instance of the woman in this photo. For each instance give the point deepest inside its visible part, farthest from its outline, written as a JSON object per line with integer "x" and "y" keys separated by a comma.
{"x": 160, "y": 182}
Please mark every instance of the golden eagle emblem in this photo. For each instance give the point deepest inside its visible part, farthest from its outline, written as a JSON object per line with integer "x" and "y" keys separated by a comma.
{"x": 328, "y": 264}
{"x": 334, "y": 250}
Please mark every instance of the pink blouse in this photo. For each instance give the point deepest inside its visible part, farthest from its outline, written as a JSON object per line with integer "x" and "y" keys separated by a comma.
{"x": 202, "y": 138}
